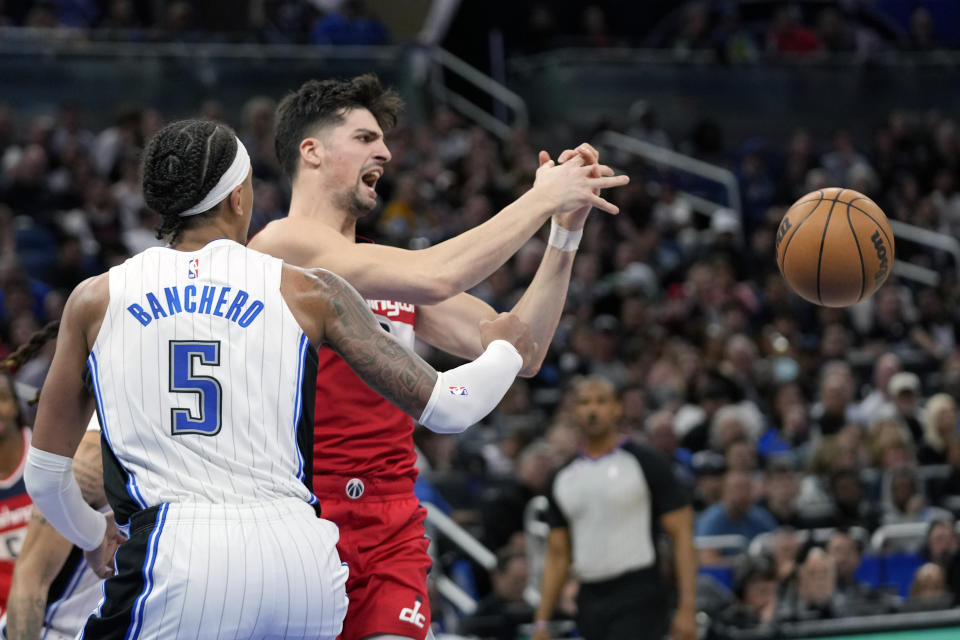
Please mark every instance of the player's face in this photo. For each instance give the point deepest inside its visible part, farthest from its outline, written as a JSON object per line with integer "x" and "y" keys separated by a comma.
{"x": 597, "y": 410}
{"x": 8, "y": 406}
{"x": 356, "y": 155}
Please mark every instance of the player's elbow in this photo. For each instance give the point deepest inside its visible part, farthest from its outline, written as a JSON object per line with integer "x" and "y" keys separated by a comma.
{"x": 530, "y": 370}
{"x": 438, "y": 289}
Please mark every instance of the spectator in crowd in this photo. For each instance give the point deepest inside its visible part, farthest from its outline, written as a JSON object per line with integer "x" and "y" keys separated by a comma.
{"x": 904, "y": 501}
{"x": 884, "y": 368}
{"x": 939, "y": 425}
{"x": 755, "y": 587}
{"x": 845, "y": 551}
{"x": 503, "y": 503}
{"x": 942, "y": 548}
{"x": 905, "y": 408}
{"x": 498, "y": 616}
{"x": 661, "y": 436}
{"x": 850, "y": 507}
{"x": 812, "y": 593}
{"x": 781, "y": 488}
{"x": 708, "y": 469}
{"x": 928, "y": 591}
{"x": 736, "y": 514}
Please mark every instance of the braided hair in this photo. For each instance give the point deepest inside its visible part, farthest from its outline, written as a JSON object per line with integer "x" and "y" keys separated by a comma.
{"x": 319, "y": 104}
{"x": 181, "y": 164}
{"x": 24, "y": 354}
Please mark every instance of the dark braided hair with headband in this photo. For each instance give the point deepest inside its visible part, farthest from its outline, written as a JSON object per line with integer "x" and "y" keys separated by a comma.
{"x": 181, "y": 164}
{"x": 25, "y": 353}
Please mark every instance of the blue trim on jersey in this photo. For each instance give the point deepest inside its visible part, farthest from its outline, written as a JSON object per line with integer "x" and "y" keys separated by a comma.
{"x": 298, "y": 403}
{"x": 132, "y": 490}
{"x": 67, "y": 592}
{"x": 137, "y": 623}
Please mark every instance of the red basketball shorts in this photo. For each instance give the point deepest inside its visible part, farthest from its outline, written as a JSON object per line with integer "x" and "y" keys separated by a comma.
{"x": 384, "y": 545}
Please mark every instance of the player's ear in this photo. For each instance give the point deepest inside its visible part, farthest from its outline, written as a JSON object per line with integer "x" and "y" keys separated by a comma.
{"x": 236, "y": 198}
{"x": 311, "y": 152}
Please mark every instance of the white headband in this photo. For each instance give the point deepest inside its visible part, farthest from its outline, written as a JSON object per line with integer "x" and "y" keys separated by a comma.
{"x": 230, "y": 180}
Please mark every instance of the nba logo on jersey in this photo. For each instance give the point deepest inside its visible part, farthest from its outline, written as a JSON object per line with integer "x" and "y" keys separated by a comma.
{"x": 458, "y": 391}
{"x": 194, "y": 269}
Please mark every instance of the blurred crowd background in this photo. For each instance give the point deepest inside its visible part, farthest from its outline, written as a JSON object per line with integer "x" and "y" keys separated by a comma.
{"x": 800, "y": 431}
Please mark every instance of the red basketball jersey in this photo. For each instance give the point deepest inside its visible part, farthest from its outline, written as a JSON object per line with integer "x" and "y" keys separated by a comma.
{"x": 356, "y": 431}
{"x": 15, "y": 510}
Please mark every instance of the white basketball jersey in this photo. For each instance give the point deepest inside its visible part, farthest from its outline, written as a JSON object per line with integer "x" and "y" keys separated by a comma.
{"x": 199, "y": 371}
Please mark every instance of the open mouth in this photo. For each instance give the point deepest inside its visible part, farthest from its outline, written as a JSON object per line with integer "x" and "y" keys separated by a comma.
{"x": 371, "y": 177}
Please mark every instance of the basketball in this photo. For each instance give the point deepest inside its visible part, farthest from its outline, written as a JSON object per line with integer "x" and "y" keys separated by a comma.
{"x": 834, "y": 247}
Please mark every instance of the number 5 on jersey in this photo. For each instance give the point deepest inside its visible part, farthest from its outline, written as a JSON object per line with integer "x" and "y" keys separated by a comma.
{"x": 184, "y": 355}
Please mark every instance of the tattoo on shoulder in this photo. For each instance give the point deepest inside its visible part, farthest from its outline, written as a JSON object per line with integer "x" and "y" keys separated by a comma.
{"x": 387, "y": 366}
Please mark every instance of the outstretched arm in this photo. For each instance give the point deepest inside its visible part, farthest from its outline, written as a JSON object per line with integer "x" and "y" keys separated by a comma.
{"x": 45, "y": 551}
{"x": 431, "y": 275}
{"x": 330, "y": 311}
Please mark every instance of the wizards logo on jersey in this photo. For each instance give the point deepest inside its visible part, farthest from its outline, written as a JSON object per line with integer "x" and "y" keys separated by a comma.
{"x": 194, "y": 269}
{"x": 458, "y": 391}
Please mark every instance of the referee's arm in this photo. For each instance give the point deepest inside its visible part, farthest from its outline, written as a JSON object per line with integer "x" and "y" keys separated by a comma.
{"x": 679, "y": 526}
{"x": 555, "y": 568}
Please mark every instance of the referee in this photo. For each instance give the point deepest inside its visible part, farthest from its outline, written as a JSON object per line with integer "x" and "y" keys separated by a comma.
{"x": 605, "y": 504}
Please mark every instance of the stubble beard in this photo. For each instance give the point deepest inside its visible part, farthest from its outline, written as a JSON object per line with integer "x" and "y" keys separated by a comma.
{"x": 354, "y": 204}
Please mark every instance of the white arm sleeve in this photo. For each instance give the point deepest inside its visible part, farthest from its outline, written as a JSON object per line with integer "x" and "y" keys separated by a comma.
{"x": 465, "y": 395}
{"x": 54, "y": 490}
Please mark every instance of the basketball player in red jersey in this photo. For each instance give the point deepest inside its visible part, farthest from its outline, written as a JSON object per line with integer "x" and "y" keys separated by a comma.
{"x": 329, "y": 139}
{"x": 15, "y": 504}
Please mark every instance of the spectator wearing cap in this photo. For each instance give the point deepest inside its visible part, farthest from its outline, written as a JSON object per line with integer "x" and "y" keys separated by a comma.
{"x": 606, "y": 505}
{"x": 906, "y": 400}
{"x": 736, "y": 514}
{"x": 939, "y": 425}
{"x": 781, "y": 487}
{"x": 708, "y": 470}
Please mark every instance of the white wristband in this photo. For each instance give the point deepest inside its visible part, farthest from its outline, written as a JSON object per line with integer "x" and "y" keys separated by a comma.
{"x": 564, "y": 239}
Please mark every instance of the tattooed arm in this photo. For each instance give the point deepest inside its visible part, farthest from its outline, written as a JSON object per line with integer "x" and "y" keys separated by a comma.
{"x": 45, "y": 551}
{"x": 331, "y": 311}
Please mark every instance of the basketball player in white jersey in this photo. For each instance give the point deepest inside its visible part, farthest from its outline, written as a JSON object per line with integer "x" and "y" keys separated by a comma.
{"x": 54, "y": 590}
{"x": 199, "y": 354}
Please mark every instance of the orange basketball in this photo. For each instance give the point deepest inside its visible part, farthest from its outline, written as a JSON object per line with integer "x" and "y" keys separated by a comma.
{"x": 834, "y": 247}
